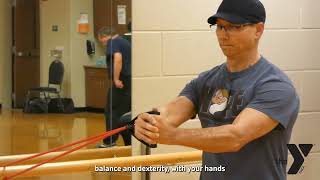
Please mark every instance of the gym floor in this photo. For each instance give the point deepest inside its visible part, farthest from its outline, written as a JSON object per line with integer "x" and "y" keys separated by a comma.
{"x": 32, "y": 133}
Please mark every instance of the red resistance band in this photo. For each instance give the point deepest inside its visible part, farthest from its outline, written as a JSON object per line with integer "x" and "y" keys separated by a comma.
{"x": 91, "y": 140}
{"x": 88, "y": 141}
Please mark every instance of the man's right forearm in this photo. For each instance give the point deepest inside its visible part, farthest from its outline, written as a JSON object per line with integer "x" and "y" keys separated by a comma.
{"x": 177, "y": 111}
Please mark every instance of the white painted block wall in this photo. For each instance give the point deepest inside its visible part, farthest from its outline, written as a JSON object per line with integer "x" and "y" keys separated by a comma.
{"x": 172, "y": 43}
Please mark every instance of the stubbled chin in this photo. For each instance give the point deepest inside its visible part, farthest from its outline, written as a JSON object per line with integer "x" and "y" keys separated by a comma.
{"x": 227, "y": 52}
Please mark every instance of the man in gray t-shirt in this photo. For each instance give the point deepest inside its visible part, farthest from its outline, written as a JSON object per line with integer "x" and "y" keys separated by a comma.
{"x": 219, "y": 96}
{"x": 247, "y": 106}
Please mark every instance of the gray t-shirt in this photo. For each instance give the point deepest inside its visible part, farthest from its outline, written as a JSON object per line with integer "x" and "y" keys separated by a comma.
{"x": 219, "y": 96}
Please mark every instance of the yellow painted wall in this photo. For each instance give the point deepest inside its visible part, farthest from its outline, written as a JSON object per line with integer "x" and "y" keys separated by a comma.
{"x": 54, "y": 12}
{"x": 78, "y": 52}
{"x": 65, "y": 14}
{"x": 5, "y": 72}
{"x": 5, "y": 53}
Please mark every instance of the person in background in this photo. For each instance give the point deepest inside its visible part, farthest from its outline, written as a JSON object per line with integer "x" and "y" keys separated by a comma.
{"x": 118, "y": 60}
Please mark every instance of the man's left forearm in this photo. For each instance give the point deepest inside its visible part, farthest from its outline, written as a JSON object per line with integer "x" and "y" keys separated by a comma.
{"x": 214, "y": 139}
{"x": 117, "y": 69}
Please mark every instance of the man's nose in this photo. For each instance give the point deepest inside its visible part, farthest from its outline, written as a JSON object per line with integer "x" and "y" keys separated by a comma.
{"x": 223, "y": 34}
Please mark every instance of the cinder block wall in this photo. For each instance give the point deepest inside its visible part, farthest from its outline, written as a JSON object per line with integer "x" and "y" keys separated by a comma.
{"x": 172, "y": 43}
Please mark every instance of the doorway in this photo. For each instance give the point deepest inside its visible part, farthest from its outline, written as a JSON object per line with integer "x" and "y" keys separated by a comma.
{"x": 25, "y": 49}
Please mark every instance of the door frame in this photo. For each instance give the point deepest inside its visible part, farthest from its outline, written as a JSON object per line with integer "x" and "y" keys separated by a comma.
{"x": 13, "y": 49}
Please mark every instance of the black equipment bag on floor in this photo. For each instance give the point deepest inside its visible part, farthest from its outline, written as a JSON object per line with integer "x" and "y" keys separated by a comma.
{"x": 35, "y": 105}
{"x": 61, "y": 105}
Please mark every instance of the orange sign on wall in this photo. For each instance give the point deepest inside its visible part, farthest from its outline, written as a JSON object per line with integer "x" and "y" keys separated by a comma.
{"x": 83, "y": 23}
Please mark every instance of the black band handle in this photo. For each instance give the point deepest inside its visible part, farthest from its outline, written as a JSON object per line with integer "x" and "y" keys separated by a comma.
{"x": 131, "y": 124}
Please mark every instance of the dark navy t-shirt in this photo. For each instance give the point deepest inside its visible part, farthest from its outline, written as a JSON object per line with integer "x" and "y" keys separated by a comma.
{"x": 122, "y": 46}
{"x": 219, "y": 96}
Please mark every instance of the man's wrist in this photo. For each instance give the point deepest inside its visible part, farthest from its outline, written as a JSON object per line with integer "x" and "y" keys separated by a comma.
{"x": 175, "y": 134}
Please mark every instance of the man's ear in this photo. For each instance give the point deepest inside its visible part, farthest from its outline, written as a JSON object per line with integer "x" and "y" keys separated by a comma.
{"x": 259, "y": 30}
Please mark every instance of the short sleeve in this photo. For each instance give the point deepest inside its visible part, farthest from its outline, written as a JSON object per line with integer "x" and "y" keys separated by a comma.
{"x": 114, "y": 47}
{"x": 192, "y": 90}
{"x": 278, "y": 100}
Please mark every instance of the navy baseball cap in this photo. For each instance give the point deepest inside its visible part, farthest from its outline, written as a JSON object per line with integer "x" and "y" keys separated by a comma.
{"x": 240, "y": 12}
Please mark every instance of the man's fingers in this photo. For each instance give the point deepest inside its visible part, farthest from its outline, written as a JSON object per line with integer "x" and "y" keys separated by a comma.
{"x": 144, "y": 138}
{"x": 149, "y": 127}
{"x": 147, "y": 118}
{"x": 147, "y": 133}
{"x": 145, "y": 128}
